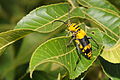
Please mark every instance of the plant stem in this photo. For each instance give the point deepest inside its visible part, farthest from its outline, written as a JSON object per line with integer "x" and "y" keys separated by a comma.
{"x": 73, "y": 3}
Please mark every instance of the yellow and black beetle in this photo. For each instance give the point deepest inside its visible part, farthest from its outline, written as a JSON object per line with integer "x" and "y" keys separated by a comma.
{"x": 82, "y": 42}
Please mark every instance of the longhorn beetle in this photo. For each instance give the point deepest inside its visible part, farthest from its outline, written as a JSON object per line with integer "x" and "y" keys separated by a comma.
{"x": 82, "y": 41}
{"x": 80, "y": 38}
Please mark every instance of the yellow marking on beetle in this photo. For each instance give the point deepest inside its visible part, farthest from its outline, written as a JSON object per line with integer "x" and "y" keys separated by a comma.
{"x": 89, "y": 54}
{"x": 80, "y": 34}
{"x": 81, "y": 46}
{"x": 83, "y": 50}
{"x": 87, "y": 46}
{"x": 77, "y": 41}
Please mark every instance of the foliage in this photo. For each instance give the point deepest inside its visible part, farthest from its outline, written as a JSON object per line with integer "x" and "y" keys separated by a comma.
{"x": 42, "y": 53}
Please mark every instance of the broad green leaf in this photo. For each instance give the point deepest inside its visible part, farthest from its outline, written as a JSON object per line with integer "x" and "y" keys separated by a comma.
{"x": 104, "y": 4}
{"x": 105, "y": 19}
{"x": 111, "y": 70}
{"x": 55, "y": 50}
{"x": 41, "y": 19}
{"x": 9, "y": 37}
{"x": 110, "y": 23}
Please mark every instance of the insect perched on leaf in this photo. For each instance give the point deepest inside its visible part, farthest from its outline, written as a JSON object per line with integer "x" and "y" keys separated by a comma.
{"x": 80, "y": 39}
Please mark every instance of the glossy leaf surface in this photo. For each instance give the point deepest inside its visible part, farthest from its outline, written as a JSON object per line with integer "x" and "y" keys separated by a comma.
{"x": 55, "y": 50}
{"x": 41, "y": 19}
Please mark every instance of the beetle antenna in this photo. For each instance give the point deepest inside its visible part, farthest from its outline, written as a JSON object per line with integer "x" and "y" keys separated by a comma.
{"x": 60, "y": 21}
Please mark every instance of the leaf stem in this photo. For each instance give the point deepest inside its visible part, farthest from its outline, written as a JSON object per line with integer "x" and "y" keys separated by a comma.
{"x": 73, "y": 3}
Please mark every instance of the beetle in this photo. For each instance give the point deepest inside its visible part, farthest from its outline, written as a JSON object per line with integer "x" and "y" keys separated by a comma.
{"x": 80, "y": 38}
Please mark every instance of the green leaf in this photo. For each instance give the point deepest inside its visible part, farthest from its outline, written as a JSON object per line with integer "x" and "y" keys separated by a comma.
{"x": 9, "y": 37}
{"x": 109, "y": 23}
{"x": 104, "y": 4}
{"x": 55, "y": 50}
{"x": 110, "y": 69}
{"x": 41, "y": 19}
{"x": 112, "y": 54}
